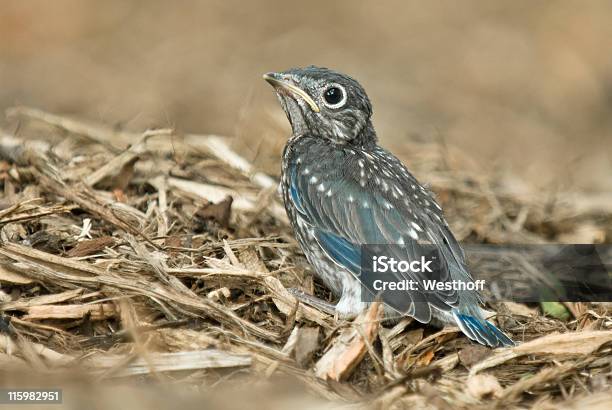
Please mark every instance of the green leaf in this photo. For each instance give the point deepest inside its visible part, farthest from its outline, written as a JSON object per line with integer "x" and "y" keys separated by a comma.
{"x": 556, "y": 310}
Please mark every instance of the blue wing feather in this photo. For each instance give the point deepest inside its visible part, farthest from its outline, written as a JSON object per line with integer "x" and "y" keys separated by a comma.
{"x": 343, "y": 252}
{"x": 481, "y": 330}
{"x": 293, "y": 190}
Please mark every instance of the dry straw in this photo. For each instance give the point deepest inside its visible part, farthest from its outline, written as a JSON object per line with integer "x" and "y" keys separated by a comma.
{"x": 156, "y": 255}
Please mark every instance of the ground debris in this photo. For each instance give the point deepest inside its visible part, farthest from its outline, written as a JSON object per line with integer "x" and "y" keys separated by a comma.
{"x": 144, "y": 254}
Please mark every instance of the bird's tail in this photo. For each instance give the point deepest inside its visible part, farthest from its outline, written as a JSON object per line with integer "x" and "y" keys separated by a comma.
{"x": 481, "y": 330}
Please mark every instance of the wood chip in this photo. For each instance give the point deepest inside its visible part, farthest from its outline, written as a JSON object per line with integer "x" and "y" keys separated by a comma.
{"x": 574, "y": 343}
{"x": 98, "y": 311}
{"x": 8, "y": 276}
{"x": 26, "y": 303}
{"x": 350, "y": 347}
{"x": 168, "y": 362}
{"x": 150, "y": 284}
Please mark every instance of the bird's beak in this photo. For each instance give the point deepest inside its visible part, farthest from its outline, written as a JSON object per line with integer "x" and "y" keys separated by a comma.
{"x": 278, "y": 82}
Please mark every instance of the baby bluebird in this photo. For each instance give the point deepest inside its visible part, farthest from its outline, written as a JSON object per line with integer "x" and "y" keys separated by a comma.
{"x": 341, "y": 191}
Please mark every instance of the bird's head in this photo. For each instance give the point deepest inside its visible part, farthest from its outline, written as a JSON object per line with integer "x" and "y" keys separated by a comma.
{"x": 324, "y": 103}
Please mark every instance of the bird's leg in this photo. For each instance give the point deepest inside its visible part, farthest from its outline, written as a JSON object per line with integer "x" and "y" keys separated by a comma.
{"x": 313, "y": 301}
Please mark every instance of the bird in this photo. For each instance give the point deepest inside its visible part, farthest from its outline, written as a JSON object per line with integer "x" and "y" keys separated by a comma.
{"x": 342, "y": 190}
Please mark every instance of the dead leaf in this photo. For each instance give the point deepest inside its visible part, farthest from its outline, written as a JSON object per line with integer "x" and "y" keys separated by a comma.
{"x": 473, "y": 354}
{"x": 307, "y": 343}
{"x": 123, "y": 179}
{"x": 119, "y": 195}
{"x": 425, "y": 358}
{"x": 413, "y": 337}
{"x": 251, "y": 260}
{"x": 219, "y": 212}
{"x": 90, "y": 247}
{"x": 173, "y": 241}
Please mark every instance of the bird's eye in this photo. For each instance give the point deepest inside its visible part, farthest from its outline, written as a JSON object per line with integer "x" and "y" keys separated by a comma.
{"x": 334, "y": 96}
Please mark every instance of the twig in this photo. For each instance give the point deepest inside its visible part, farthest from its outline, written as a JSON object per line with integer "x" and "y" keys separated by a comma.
{"x": 124, "y": 158}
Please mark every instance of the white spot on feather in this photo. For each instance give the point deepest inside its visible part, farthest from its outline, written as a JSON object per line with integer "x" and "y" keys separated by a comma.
{"x": 413, "y": 234}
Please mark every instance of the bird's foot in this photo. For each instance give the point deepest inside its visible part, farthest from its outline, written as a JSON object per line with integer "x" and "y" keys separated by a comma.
{"x": 313, "y": 301}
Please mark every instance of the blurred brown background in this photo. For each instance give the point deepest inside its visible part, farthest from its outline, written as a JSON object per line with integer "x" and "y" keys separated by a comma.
{"x": 521, "y": 87}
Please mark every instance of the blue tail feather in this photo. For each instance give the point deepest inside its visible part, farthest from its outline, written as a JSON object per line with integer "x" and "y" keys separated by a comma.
{"x": 481, "y": 330}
